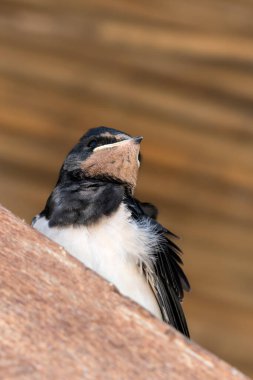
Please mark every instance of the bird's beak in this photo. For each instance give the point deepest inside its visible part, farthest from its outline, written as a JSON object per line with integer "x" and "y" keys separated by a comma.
{"x": 131, "y": 140}
{"x": 118, "y": 161}
{"x": 138, "y": 139}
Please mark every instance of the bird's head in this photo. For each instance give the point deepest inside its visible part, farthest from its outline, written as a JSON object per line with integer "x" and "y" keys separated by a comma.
{"x": 105, "y": 153}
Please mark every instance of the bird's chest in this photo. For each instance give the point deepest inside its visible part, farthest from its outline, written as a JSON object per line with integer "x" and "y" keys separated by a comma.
{"x": 113, "y": 247}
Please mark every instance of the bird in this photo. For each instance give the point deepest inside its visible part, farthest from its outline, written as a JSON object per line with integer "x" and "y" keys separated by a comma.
{"x": 92, "y": 212}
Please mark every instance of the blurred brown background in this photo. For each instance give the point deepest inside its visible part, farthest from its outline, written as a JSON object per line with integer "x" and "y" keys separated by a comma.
{"x": 180, "y": 73}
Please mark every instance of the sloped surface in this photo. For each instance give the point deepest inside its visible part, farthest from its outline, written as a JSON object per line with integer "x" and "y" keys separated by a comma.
{"x": 59, "y": 320}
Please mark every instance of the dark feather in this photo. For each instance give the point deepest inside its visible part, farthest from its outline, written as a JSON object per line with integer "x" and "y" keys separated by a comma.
{"x": 82, "y": 202}
{"x": 149, "y": 209}
{"x": 166, "y": 278}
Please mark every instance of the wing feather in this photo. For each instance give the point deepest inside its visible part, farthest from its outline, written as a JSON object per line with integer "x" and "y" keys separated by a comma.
{"x": 166, "y": 277}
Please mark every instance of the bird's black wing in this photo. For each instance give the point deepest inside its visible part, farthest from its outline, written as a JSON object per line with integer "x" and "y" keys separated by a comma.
{"x": 166, "y": 278}
{"x": 148, "y": 209}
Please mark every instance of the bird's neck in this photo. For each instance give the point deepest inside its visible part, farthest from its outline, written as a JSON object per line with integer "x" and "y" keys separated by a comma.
{"x": 82, "y": 202}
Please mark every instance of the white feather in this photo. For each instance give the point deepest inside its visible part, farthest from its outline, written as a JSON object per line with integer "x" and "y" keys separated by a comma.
{"x": 112, "y": 247}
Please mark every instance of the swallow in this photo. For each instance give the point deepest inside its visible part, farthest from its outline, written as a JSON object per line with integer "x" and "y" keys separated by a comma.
{"x": 93, "y": 214}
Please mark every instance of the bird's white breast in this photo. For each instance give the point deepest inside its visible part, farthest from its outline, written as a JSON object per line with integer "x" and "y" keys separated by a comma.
{"x": 112, "y": 247}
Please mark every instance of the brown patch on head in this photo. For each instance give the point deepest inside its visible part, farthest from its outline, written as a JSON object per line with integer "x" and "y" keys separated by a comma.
{"x": 119, "y": 161}
{"x": 117, "y": 137}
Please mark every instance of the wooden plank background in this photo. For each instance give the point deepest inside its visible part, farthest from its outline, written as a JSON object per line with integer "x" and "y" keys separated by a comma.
{"x": 181, "y": 75}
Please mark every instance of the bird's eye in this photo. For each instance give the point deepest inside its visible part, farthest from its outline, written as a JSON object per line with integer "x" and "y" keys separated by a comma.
{"x": 92, "y": 143}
